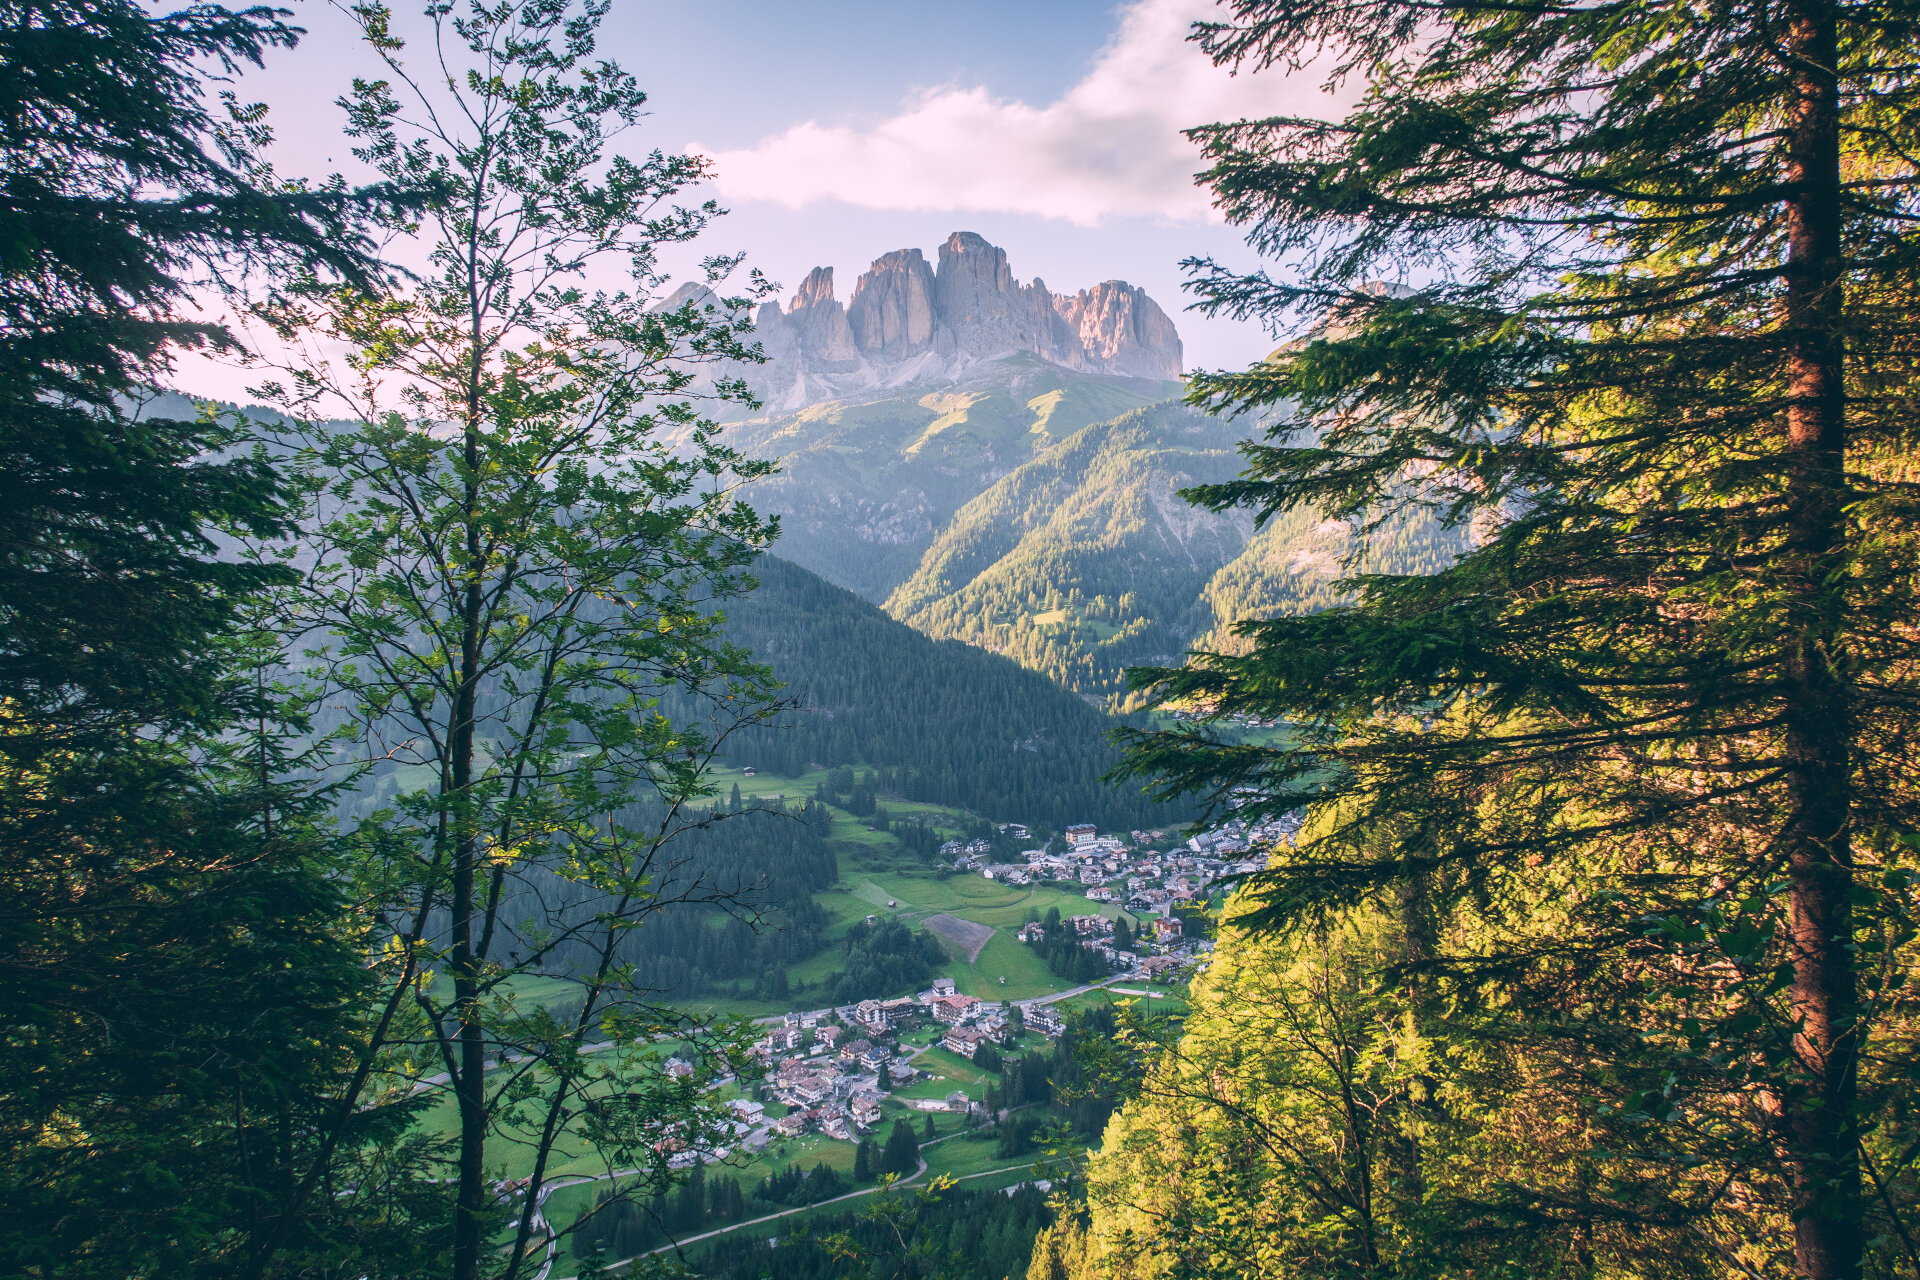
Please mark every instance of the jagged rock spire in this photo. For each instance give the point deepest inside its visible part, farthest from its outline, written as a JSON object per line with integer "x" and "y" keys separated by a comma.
{"x": 912, "y": 321}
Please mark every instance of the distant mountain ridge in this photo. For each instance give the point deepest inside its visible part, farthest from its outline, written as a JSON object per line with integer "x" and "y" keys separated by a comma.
{"x": 911, "y": 322}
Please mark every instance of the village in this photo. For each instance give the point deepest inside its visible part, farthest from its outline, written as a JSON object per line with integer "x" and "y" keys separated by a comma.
{"x": 829, "y": 1071}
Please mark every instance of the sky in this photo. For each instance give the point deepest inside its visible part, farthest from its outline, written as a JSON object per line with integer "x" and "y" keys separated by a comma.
{"x": 842, "y": 129}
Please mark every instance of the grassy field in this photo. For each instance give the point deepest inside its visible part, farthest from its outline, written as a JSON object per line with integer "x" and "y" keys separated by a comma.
{"x": 1007, "y": 969}
{"x": 875, "y": 870}
{"x": 534, "y": 989}
{"x": 959, "y": 1073}
{"x": 936, "y": 1087}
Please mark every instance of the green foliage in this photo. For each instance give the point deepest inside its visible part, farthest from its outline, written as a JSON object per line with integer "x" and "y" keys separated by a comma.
{"x": 885, "y": 958}
{"x": 622, "y": 1224}
{"x": 506, "y": 567}
{"x": 1060, "y": 947}
{"x": 124, "y": 187}
{"x": 1622, "y": 769}
{"x": 180, "y": 974}
{"x": 1015, "y": 1135}
{"x": 1299, "y": 1126}
{"x": 952, "y": 1234}
{"x": 795, "y": 1186}
{"x": 1084, "y": 562}
{"x": 1070, "y": 1083}
{"x": 941, "y": 722}
{"x": 184, "y": 999}
{"x": 901, "y": 1154}
{"x": 753, "y": 914}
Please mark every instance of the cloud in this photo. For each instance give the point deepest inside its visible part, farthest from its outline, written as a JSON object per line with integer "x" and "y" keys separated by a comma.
{"x": 1109, "y": 147}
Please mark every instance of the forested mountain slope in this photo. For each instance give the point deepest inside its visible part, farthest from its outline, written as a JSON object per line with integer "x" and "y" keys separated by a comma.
{"x": 866, "y": 483}
{"x": 956, "y": 725}
{"x": 1294, "y": 563}
{"x": 1086, "y": 560}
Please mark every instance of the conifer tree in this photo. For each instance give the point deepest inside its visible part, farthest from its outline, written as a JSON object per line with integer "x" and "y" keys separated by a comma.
{"x": 125, "y": 187}
{"x": 1626, "y": 291}
{"x": 174, "y": 953}
{"x": 863, "y": 1161}
{"x": 901, "y": 1155}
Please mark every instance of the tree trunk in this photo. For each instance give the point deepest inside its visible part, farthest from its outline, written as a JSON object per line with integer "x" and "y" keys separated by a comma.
{"x": 470, "y": 1089}
{"x": 1817, "y": 837}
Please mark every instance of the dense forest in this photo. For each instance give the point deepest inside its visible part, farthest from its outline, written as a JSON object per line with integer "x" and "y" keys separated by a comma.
{"x": 1084, "y": 561}
{"x": 949, "y": 723}
{"x": 957, "y": 1234}
{"x": 621, "y": 1227}
{"x": 885, "y": 958}
{"x": 753, "y": 913}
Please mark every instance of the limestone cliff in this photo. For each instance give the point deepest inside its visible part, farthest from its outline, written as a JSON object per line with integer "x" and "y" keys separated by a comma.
{"x": 910, "y": 321}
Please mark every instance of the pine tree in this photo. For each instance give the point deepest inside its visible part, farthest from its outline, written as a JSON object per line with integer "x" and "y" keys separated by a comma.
{"x": 863, "y": 1161}
{"x": 122, "y": 186}
{"x": 901, "y": 1155}
{"x": 176, "y": 971}
{"x": 1654, "y": 355}
{"x": 927, "y": 1130}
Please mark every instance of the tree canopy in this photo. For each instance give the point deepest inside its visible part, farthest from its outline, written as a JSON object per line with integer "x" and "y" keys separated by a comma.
{"x": 1624, "y": 291}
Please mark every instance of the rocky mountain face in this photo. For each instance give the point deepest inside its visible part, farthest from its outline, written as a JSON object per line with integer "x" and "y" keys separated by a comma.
{"x": 912, "y": 322}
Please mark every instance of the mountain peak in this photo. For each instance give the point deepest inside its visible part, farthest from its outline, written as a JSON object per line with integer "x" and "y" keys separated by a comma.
{"x": 912, "y": 321}
{"x": 815, "y": 290}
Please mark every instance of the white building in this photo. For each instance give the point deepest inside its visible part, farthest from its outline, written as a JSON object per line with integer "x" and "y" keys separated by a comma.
{"x": 1044, "y": 1019}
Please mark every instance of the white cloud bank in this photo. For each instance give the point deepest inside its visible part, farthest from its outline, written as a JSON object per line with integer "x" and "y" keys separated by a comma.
{"x": 1109, "y": 147}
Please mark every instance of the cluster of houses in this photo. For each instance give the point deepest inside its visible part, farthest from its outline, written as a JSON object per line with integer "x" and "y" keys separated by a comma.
{"x": 1133, "y": 874}
{"x": 832, "y": 1069}
{"x": 1096, "y": 934}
